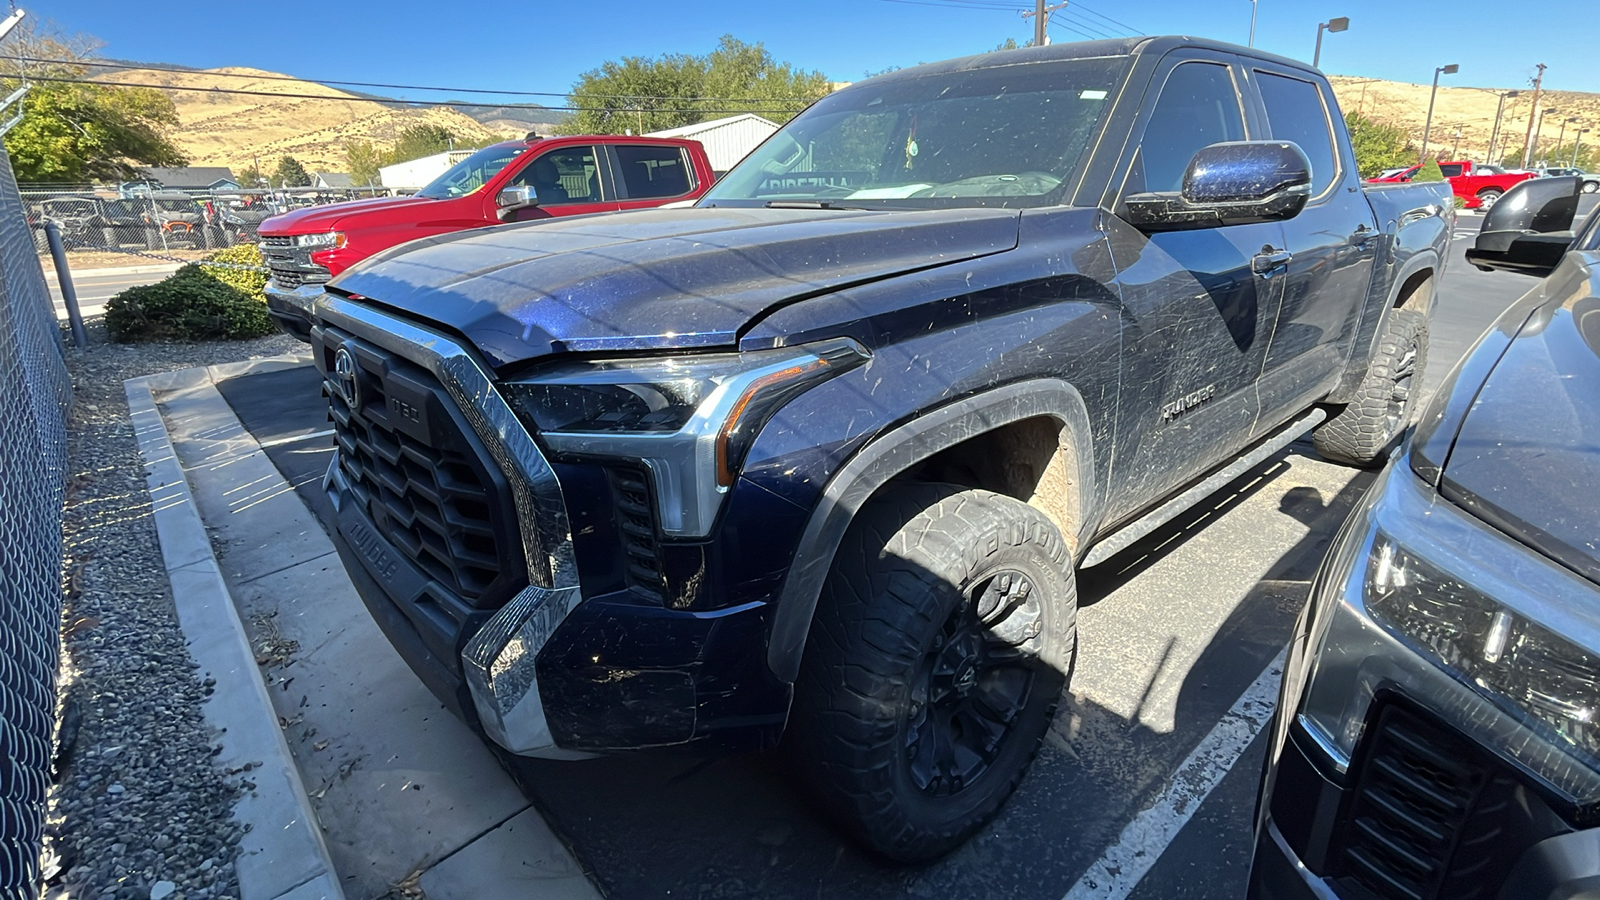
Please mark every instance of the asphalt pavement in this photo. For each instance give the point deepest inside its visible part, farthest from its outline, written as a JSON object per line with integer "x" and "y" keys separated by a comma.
{"x": 1177, "y": 635}
{"x": 95, "y": 287}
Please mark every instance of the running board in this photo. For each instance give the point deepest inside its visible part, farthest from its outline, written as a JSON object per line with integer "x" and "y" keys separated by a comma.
{"x": 1119, "y": 540}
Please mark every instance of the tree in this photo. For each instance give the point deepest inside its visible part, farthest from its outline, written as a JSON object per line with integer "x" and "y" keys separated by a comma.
{"x": 362, "y": 160}
{"x": 70, "y": 131}
{"x": 250, "y": 176}
{"x": 1430, "y": 171}
{"x": 291, "y": 173}
{"x": 419, "y": 140}
{"x": 1378, "y": 146}
{"x": 644, "y": 94}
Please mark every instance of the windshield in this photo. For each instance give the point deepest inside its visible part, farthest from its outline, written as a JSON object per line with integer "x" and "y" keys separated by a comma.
{"x": 471, "y": 173}
{"x": 177, "y": 206}
{"x": 1005, "y": 136}
{"x": 70, "y": 207}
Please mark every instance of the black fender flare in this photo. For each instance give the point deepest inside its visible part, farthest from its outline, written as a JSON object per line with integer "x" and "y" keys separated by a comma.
{"x": 891, "y": 454}
{"x": 1367, "y": 338}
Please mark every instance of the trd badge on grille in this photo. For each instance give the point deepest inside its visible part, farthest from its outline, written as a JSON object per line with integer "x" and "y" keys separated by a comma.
{"x": 344, "y": 375}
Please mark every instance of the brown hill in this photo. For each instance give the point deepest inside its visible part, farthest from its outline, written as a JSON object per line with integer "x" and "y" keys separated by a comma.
{"x": 218, "y": 129}
{"x": 1473, "y": 109}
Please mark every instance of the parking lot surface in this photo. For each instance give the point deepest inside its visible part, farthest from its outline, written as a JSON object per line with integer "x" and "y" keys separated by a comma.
{"x": 1174, "y": 632}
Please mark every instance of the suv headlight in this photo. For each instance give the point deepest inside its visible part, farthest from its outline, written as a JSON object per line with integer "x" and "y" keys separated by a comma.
{"x": 689, "y": 419}
{"x": 331, "y": 240}
{"x": 1425, "y": 600}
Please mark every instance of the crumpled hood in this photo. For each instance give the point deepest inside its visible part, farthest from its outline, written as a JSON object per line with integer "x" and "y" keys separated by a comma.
{"x": 320, "y": 219}
{"x": 657, "y": 279}
{"x": 1527, "y": 454}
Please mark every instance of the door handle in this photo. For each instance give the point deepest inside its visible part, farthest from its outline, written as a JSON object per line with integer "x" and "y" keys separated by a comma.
{"x": 1363, "y": 236}
{"x": 1269, "y": 259}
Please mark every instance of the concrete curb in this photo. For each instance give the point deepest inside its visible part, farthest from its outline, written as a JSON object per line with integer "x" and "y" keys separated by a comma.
{"x": 282, "y": 855}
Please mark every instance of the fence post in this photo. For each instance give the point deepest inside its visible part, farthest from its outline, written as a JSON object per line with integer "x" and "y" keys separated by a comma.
{"x": 69, "y": 294}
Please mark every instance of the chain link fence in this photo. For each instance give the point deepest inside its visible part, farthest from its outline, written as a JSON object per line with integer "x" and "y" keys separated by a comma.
{"x": 165, "y": 225}
{"x": 33, "y": 460}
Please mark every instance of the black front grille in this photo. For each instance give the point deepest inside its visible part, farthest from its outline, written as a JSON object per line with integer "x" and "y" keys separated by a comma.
{"x": 290, "y": 266}
{"x": 424, "y": 479}
{"x": 276, "y": 240}
{"x": 1425, "y": 815}
{"x": 285, "y": 277}
{"x": 636, "y": 524}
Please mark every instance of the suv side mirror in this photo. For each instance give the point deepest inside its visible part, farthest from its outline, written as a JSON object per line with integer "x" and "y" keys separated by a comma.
{"x": 1530, "y": 228}
{"x": 511, "y": 199}
{"x": 1234, "y": 183}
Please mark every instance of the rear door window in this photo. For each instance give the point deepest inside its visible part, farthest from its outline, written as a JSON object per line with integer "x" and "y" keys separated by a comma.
{"x": 1198, "y": 107}
{"x": 1296, "y": 112}
{"x": 649, "y": 172}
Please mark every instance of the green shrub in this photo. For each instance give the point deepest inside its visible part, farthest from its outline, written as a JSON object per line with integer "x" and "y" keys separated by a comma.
{"x": 196, "y": 303}
{"x": 1430, "y": 171}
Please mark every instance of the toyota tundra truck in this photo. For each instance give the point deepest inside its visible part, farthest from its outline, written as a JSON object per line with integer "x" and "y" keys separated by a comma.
{"x": 513, "y": 181}
{"x": 816, "y": 460}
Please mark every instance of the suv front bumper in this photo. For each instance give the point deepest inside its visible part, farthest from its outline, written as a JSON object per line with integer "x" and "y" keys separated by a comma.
{"x": 550, "y": 673}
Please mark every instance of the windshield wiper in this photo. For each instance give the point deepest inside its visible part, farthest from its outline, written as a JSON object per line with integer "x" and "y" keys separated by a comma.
{"x": 809, "y": 204}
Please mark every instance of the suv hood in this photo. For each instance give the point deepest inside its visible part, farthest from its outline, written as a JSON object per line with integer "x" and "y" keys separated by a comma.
{"x": 1526, "y": 457}
{"x": 657, "y": 279}
{"x": 319, "y": 219}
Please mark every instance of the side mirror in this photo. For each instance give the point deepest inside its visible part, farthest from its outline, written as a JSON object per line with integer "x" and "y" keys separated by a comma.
{"x": 1235, "y": 183}
{"x": 511, "y": 199}
{"x": 1530, "y": 228}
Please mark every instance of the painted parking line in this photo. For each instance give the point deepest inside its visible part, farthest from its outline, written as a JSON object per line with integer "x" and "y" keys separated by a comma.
{"x": 1116, "y": 873}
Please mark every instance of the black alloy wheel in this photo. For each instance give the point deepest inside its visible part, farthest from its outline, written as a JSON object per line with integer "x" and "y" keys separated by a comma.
{"x": 972, "y": 685}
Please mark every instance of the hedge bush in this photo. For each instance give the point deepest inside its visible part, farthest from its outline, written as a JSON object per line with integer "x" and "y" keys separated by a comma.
{"x": 199, "y": 302}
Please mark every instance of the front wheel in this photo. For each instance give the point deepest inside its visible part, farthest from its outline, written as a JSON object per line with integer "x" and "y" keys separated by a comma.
{"x": 1590, "y": 187}
{"x": 941, "y": 643}
{"x": 1363, "y": 432}
{"x": 1488, "y": 198}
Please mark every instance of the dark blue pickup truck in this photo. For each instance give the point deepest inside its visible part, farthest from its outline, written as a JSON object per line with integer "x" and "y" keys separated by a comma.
{"x": 816, "y": 459}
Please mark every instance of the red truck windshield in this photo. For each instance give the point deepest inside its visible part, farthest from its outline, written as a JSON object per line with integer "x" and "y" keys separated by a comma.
{"x": 471, "y": 173}
{"x": 1003, "y": 136}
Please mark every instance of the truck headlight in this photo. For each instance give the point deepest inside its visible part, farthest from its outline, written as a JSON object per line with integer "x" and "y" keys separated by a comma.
{"x": 689, "y": 419}
{"x": 331, "y": 240}
{"x": 1429, "y": 602}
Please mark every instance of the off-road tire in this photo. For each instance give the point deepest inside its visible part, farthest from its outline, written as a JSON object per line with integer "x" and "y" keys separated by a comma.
{"x": 905, "y": 569}
{"x": 152, "y": 239}
{"x": 1364, "y": 431}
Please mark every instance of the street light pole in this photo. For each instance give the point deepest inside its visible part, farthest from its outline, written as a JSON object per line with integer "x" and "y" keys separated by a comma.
{"x": 1252, "y": 24}
{"x": 1577, "y": 139}
{"x": 1428, "y": 126}
{"x": 1334, "y": 26}
{"x": 1562, "y": 135}
{"x": 1457, "y": 145}
{"x": 1538, "y": 130}
{"x": 1494, "y": 138}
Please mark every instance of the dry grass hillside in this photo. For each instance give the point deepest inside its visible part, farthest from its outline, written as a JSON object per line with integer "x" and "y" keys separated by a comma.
{"x": 1473, "y": 109}
{"x": 235, "y": 129}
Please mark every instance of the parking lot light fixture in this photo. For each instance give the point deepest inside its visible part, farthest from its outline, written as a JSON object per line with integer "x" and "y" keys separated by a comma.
{"x": 1334, "y": 26}
{"x": 1428, "y": 126}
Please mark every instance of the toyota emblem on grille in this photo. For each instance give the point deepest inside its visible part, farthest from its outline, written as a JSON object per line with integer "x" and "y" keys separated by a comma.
{"x": 345, "y": 377}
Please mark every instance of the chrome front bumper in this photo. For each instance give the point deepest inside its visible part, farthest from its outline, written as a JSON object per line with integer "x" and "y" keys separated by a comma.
{"x": 498, "y": 661}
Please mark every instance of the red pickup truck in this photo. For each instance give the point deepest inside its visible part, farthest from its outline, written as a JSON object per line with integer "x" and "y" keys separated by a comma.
{"x": 515, "y": 181}
{"x": 1480, "y": 189}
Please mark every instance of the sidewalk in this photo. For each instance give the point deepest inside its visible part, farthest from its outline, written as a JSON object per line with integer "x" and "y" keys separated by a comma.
{"x": 405, "y": 793}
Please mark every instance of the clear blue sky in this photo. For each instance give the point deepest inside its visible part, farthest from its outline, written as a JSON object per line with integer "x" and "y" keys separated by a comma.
{"x": 543, "y": 45}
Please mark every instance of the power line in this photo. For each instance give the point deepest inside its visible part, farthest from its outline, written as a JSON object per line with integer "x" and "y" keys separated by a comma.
{"x": 371, "y": 84}
{"x": 449, "y": 103}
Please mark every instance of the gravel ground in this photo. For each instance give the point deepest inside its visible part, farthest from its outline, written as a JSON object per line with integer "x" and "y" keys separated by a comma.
{"x": 139, "y": 809}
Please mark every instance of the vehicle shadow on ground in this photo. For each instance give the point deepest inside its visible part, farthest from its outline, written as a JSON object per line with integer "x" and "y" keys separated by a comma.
{"x": 664, "y": 825}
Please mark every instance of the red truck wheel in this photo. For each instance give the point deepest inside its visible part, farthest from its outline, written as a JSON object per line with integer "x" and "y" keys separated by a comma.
{"x": 1488, "y": 197}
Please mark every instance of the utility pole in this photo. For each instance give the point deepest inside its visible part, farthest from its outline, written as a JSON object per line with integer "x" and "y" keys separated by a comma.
{"x": 1527, "y": 142}
{"x": 1494, "y": 137}
{"x": 1253, "y": 24}
{"x": 1041, "y": 18}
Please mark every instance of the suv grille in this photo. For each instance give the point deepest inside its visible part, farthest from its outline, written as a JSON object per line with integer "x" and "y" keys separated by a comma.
{"x": 423, "y": 479}
{"x": 290, "y": 266}
{"x": 636, "y": 524}
{"x": 1426, "y": 814}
